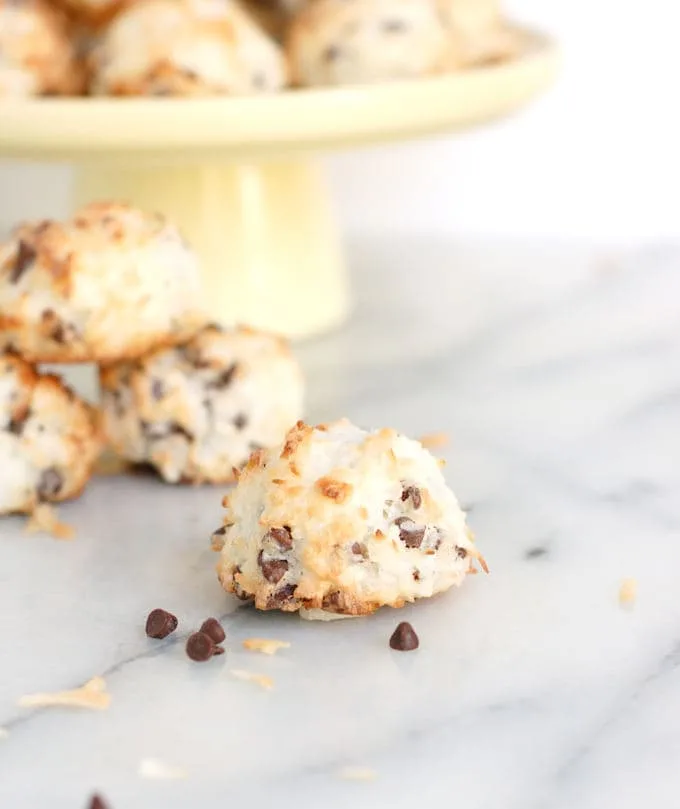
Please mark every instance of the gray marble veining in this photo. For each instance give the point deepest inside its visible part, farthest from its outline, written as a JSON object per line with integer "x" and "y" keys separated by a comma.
{"x": 556, "y": 372}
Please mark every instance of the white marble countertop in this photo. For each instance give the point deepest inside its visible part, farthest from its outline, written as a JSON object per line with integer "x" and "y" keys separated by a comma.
{"x": 557, "y": 374}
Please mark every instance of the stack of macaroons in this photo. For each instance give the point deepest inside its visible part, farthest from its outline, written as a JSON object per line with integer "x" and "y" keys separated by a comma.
{"x": 120, "y": 288}
{"x": 240, "y": 47}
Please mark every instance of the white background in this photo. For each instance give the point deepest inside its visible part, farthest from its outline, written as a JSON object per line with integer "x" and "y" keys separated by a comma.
{"x": 596, "y": 160}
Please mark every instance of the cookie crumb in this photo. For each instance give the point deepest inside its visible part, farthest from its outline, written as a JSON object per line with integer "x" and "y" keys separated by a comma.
{"x": 43, "y": 519}
{"x": 261, "y": 679}
{"x": 91, "y": 695}
{"x": 435, "y": 440}
{"x": 404, "y": 638}
{"x": 156, "y": 769}
{"x": 357, "y": 774}
{"x": 267, "y": 646}
{"x": 628, "y": 592}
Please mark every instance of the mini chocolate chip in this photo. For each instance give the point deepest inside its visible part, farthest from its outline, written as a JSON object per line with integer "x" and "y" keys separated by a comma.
{"x": 409, "y": 533}
{"x": 273, "y": 570}
{"x": 200, "y": 647}
{"x": 393, "y": 26}
{"x": 160, "y": 623}
{"x": 282, "y": 596}
{"x": 335, "y": 602}
{"x": 157, "y": 389}
{"x": 281, "y": 536}
{"x": 416, "y": 575}
{"x": 24, "y": 259}
{"x": 331, "y": 54}
{"x": 240, "y": 421}
{"x": 223, "y": 379}
{"x": 359, "y": 549}
{"x": 414, "y": 493}
{"x": 218, "y": 532}
{"x": 461, "y": 553}
{"x": 404, "y": 638}
{"x": 50, "y": 483}
{"x": 97, "y": 802}
{"x": 213, "y": 629}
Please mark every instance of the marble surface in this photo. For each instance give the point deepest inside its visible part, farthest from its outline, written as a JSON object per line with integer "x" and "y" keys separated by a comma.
{"x": 556, "y": 372}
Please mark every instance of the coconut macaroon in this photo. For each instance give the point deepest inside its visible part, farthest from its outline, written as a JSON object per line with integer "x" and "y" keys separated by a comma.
{"x": 338, "y": 42}
{"x": 344, "y": 521}
{"x": 49, "y": 439}
{"x": 36, "y": 57}
{"x": 196, "y": 412}
{"x": 109, "y": 284}
{"x": 478, "y": 32}
{"x": 185, "y": 48}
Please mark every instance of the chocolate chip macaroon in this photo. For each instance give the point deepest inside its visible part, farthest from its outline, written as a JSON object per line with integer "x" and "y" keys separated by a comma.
{"x": 333, "y": 42}
{"x": 49, "y": 439}
{"x": 111, "y": 283}
{"x": 196, "y": 412}
{"x": 337, "y": 520}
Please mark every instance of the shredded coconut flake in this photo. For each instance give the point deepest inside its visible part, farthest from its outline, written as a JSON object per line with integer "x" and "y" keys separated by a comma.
{"x": 91, "y": 695}
{"x": 357, "y": 774}
{"x": 261, "y": 679}
{"x": 265, "y": 645}
{"x": 156, "y": 769}
{"x": 315, "y": 614}
{"x": 628, "y": 592}
{"x": 44, "y": 519}
{"x": 435, "y": 440}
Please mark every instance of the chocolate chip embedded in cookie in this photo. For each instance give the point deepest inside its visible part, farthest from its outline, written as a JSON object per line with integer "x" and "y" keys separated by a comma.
{"x": 49, "y": 439}
{"x": 194, "y": 412}
{"x": 110, "y": 284}
{"x": 343, "y": 521}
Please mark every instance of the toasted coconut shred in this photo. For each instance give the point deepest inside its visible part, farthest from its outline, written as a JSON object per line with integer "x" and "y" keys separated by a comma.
{"x": 92, "y": 695}
{"x": 267, "y": 646}
{"x": 156, "y": 769}
{"x": 628, "y": 592}
{"x": 357, "y": 774}
{"x": 435, "y": 440}
{"x": 260, "y": 679}
{"x": 43, "y": 519}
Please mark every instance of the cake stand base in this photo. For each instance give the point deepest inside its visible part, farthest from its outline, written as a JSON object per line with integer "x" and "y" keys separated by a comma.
{"x": 264, "y": 232}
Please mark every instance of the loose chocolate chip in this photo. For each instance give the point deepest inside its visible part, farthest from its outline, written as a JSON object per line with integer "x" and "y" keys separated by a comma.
{"x": 97, "y": 802}
{"x": 359, "y": 549}
{"x": 281, "y": 596}
{"x": 25, "y": 257}
{"x": 281, "y": 536}
{"x": 241, "y": 421}
{"x": 404, "y": 638}
{"x": 200, "y": 647}
{"x": 160, "y": 624}
{"x": 50, "y": 483}
{"x": 409, "y": 533}
{"x": 461, "y": 553}
{"x": 157, "y": 389}
{"x": 213, "y": 629}
{"x": 223, "y": 379}
{"x": 273, "y": 570}
{"x": 414, "y": 493}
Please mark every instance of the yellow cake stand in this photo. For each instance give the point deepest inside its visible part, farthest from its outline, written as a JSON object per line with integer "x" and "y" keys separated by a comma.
{"x": 238, "y": 174}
